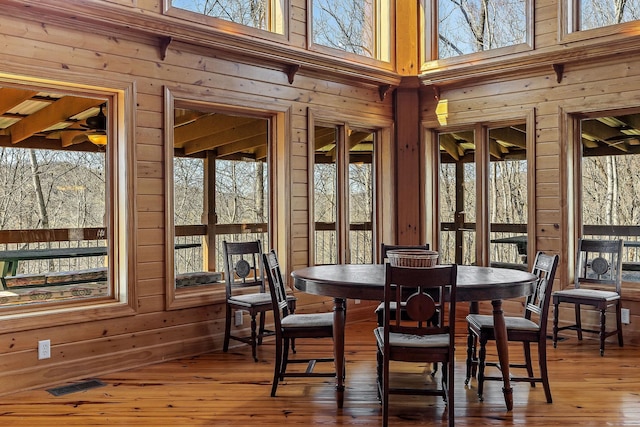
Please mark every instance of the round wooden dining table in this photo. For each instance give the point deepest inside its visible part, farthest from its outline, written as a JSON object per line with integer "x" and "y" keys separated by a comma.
{"x": 366, "y": 282}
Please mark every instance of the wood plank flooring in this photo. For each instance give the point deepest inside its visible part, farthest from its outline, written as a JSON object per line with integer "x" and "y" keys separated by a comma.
{"x": 230, "y": 389}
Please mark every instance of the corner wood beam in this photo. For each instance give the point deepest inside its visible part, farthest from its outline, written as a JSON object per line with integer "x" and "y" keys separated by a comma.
{"x": 164, "y": 46}
{"x": 559, "y": 69}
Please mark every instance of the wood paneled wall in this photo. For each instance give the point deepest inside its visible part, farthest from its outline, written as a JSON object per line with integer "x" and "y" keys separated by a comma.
{"x": 62, "y": 47}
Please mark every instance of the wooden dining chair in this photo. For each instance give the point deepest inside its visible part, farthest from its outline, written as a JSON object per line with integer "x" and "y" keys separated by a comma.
{"x": 597, "y": 283}
{"x": 527, "y": 329}
{"x": 384, "y": 248}
{"x": 245, "y": 290}
{"x": 416, "y": 339}
{"x": 289, "y": 326}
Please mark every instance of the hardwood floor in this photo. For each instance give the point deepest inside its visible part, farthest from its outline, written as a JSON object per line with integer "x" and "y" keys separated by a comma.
{"x": 230, "y": 389}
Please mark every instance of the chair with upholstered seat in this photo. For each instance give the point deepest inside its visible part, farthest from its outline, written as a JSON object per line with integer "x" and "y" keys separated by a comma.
{"x": 289, "y": 326}
{"x": 527, "y": 329}
{"x": 416, "y": 339}
{"x": 598, "y": 282}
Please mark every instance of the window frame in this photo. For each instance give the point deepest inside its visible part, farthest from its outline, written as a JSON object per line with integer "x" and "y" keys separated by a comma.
{"x": 233, "y": 28}
{"x": 430, "y": 35}
{"x": 279, "y": 232}
{"x": 120, "y": 218}
{"x": 569, "y": 11}
{"x": 482, "y": 162}
{"x": 382, "y": 191}
{"x": 380, "y": 41}
{"x": 572, "y": 192}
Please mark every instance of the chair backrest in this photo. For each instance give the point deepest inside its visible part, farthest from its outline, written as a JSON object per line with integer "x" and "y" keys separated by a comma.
{"x": 276, "y": 287}
{"x": 423, "y": 292}
{"x": 599, "y": 263}
{"x": 243, "y": 266}
{"x": 539, "y": 301}
{"x": 384, "y": 248}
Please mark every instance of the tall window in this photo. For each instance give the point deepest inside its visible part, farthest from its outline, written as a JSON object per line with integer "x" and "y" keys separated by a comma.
{"x": 261, "y": 14}
{"x": 470, "y": 26}
{"x": 343, "y": 201}
{"x": 602, "y": 13}
{"x": 56, "y": 211}
{"x": 504, "y": 204}
{"x": 610, "y": 184}
{"x": 508, "y": 204}
{"x": 457, "y": 197}
{"x": 362, "y": 27}
{"x": 220, "y": 189}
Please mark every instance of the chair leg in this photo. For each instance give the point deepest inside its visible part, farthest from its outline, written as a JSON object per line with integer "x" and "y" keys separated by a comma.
{"x": 555, "y": 324}
{"x": 527, "y": 361}
{"x": 385, "y": 393}
{"x": 227, "y": 330}
{"x": 254, "y": 337}
{"x": 470, "y": 353}
{"x": 578, "y": 322}
{"x": 261, "y": 330}
{"x": 444, "y": 382}
{"x": 285, "y": 357}
{"x": 450, "y": 394}
{"x": 544, "y": 373}
{"x": 379, "y": 373}
{"x": 482, "y": 354}
{"x": 603, "y": 326}
{"x": 277, "y": 374}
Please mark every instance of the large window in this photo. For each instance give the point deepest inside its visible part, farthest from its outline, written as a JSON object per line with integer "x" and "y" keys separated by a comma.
{"x": 601, "y": 13}
{"x": 361, "y": 27}
{"x": 343, "y": 194}
{"x": 500, "y": 153}
{"x": 261, "y": 14}
{"x": 59, "y": 197}
{"x": 470, "y": 26}
{"x": 220, "y": 191}
{"x": 610, "y": 183}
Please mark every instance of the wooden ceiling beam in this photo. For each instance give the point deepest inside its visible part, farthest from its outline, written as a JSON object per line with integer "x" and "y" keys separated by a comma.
{"x": 254, "y": 128}
{"x": 208, "y": 125}
{"x": 449, "y": 144}
{"x": 56, "y": 112}
{"x": 510, "y": 135}
{"x": 11, "y": 97}
{"x": 249, "y": 144}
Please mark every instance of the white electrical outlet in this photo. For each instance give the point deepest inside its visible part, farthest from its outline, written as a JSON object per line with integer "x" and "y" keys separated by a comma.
{"x": 44, "y": 349}
{"x": 239, "y": 317}
{"x": 624, "y": 315}
{"x": 357, "y": 301}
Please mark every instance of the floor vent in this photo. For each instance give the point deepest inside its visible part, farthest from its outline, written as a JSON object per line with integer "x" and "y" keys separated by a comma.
{"x": 73, "y": 388}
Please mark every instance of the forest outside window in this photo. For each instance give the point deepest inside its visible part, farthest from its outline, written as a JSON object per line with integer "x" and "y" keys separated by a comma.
{"x": 343, "y": 194}
{"x": 591, "y": 14}
{"x": 220, "y": 191}
{"x": 268, "y": 15}
{"x": 58, "y": 186}
{"x": 463, "y": 158}
{"x": 473, "y": 26}
{"x": 610, "y": 183}
{"x": 359, "y": 27}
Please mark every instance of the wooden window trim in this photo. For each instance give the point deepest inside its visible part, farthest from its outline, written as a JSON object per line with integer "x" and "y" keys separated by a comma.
{"x": 121, "y": 218}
